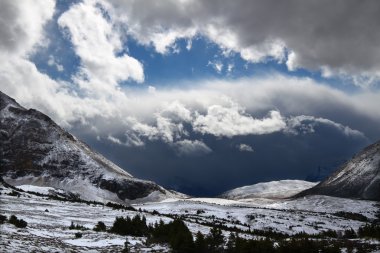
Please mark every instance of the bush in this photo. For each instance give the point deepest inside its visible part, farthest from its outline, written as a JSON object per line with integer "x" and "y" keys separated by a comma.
{"x": 77, "y": 227}
{"x": 3, "y": 219}
{"x": 370, "y": 230}
{"x": 100, "y": 227}
{"x": 78, "y": 235}
{"x": 20, "y": 223}
{"x": 351, "y": 216}
{"x": 349, "y": 234}
{"x": 14, "y": 193}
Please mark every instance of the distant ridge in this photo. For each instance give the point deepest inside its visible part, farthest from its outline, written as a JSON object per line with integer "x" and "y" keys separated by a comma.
{"x": 273, "y": 190}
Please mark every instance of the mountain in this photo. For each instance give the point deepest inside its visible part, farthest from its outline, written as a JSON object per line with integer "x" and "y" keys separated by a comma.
{"x": 358, "y": 178}
{"x": 36, "y": 151}
{"x": 271, "y": 190}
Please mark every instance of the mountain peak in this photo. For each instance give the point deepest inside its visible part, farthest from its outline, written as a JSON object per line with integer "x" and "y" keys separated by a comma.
{"x": 36, "y": 151}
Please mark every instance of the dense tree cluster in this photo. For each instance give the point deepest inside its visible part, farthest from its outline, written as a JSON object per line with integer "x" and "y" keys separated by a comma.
{"x": 126, "y": 226}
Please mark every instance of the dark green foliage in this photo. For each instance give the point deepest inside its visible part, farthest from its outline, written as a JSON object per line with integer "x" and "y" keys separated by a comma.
{"x": 100, "y": 227}
{"x": 351, "y": 216}
{"x": 176, "y": 233}
{"x": 120, "y": 207}
{"x": 77, "y": 227}
{"x": 78, "y": 235}
{"x": 349, "y": 234}
{"x": 127, "y": 226}
{"x": 14, "y": 193}
{"x": 329, "y": 233}
{"x": 200, "y": 244}
{"x": 370, "y": 230}
{"x": 126, "y": 247}
{"x": 215, "y": 240}
{"x": 20, "y": 223}
{"x": 3, "y": 219}
{"x": 307, "y": 246}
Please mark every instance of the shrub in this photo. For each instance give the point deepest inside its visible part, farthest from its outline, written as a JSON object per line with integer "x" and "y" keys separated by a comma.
{"x": 370, "y": 230}
{"x": 100, "y": 227}
{"x": 351, "y": 216}
{"x": 77, "y": 227}
{"x": 20, "y": 223}
{"x": 3, "y": 219}
{"x": 78, "y": 235}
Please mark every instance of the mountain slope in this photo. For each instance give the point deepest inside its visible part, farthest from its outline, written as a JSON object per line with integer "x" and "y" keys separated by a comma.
{"x": 273, "y": 190}
{"x": 35, "y": 150}
{"x": 358, "y": 178}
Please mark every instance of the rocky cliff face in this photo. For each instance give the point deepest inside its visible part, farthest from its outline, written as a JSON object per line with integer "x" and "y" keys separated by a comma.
{"x": 358, "y": 178}
{"x": 35, "y": 150}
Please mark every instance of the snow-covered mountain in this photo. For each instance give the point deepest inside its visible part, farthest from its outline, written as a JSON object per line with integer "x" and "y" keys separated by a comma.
{"x": 271, "y": 190}
{"x": 36, "y": 151}
{"x": 358, "y": 178}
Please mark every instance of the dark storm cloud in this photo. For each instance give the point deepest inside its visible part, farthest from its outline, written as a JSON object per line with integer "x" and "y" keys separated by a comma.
{"x": 277, "y": 156}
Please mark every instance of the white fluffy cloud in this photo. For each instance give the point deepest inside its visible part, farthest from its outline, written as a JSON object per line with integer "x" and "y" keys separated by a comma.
{"x": 98, "y": 43}
{"x": 224, "y": 121}
{"x": 21, "y": 25}
{"x": 342, "y": 40}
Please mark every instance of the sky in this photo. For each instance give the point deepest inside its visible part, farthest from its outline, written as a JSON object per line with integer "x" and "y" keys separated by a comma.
{"x": 201, "y": 96}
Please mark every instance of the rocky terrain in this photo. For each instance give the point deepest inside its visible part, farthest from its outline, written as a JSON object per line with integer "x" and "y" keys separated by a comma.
{"x": 36, "y": 151}
{"x": 358, "y": 178}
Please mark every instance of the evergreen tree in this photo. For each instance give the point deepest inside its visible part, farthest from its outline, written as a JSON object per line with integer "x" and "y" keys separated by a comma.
{"x": 215, "y": 240}
{"x": 200, "y": 245}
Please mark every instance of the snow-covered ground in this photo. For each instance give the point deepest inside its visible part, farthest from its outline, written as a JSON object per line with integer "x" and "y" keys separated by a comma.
{"x": 48, "y": 220}
{"x": 273, "y": 189}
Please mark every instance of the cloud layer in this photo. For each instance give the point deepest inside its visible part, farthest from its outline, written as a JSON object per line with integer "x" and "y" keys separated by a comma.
{"x": 339, "y": 40}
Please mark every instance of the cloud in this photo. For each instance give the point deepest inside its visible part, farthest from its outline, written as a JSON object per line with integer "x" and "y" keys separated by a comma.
{"x": 249, "y": 106}
{"x": 191, "y": 148}
{"x": 53, "y": 62}
{"x": 306, "y": 124}
{"x": 115, "y": 140}
{"x": 229, "y": 122}
{"x": 245, "y": 148}
{"x": 341, "y": 41}
{"x": 21, "y": 25}
{"x": 217, "y": 65}
{"x": 100, "y": 48}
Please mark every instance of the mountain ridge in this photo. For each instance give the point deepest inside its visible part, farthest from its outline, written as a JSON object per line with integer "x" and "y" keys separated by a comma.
{"x": 358, "y": 178}
{"x": 273, "y": 190}
{"x": 35, "y": 150}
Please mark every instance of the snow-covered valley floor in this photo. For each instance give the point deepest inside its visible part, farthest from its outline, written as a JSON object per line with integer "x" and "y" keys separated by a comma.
{"x": 48, "y": 220}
